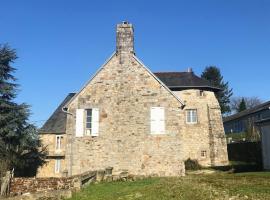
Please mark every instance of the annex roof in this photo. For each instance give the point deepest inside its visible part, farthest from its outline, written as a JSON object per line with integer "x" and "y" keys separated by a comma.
{"x": 57, "y": 122}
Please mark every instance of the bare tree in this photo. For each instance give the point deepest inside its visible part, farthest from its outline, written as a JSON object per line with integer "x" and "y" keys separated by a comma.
{"x": 251, "y": 102}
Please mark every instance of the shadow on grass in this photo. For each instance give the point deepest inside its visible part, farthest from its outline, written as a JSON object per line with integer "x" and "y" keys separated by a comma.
{"x": 238, "y": 167}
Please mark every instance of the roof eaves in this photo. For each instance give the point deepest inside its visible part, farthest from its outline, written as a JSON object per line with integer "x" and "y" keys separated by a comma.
{"x": 200, "y": 86}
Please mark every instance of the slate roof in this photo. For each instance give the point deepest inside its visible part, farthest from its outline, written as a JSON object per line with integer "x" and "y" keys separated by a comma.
{"x": 57, "y": 122}
{"x": 263, "y": 106}
{"x": 184, "y": 80}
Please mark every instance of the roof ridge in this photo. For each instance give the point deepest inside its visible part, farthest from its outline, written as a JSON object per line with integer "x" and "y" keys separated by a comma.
{"x": 171, "y": 72}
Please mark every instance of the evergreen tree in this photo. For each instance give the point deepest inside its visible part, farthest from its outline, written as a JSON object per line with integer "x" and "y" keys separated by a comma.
{"x": 20, "y": 147}
{"x": 213, "y": 75}
{"x": 242, "y": 105}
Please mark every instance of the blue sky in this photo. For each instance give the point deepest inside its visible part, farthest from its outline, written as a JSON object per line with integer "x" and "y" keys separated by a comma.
{"x": 61, "y": 43}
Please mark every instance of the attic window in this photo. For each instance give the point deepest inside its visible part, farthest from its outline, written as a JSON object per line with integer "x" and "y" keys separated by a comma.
{"x": 201, "y": 93}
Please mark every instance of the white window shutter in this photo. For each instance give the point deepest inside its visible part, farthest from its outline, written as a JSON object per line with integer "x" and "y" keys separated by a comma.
{"x": 79, "y": 122}
{"x": 153, "y": 120}
{"x": 95, "y": 121}
{"x": 157, "y": 120}
{"x": 161, "y": 122}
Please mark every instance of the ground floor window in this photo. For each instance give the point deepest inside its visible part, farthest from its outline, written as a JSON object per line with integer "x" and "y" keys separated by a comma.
{"x": 203, "y": 154}
{"x": 57, "y": 165}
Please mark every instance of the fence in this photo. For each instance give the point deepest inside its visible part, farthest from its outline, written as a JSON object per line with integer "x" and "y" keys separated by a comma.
{"x": 249, "y": 152}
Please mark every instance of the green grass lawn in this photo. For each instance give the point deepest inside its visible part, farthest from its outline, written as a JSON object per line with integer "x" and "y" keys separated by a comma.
{"x": 191, "y": 187}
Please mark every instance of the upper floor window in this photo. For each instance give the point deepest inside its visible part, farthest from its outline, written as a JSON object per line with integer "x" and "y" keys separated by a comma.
{"x": 87, "y": 122}
{"x": 191, "y": 116}
{"x": 157, "y": 120}
{"x": 58, "y": 142}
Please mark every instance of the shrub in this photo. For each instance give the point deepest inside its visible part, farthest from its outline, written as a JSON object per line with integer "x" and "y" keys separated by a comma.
{"x": 192, "y": 164}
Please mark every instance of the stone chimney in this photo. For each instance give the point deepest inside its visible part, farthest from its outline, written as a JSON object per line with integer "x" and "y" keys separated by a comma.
{"x": 124, "y": 38}
{"x": 189, "y": 70}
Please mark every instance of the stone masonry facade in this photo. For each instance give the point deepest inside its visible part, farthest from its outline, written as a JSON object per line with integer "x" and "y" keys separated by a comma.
{"x": 124, "y": 91}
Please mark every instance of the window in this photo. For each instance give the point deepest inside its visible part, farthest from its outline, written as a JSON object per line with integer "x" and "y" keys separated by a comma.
{"x": 203, "y": 154}
{"x": 157, "y": 120}
{"x": 201, "y": 93}
{"x": 92, "y": 122}
{"x": 57, "y": 165}
{"x": 191, "y": 116}
{"x": 58, "y": 142}
{"x": 87, "y": 122}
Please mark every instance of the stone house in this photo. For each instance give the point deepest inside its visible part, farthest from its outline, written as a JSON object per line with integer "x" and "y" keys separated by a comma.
{"x": 131, "y": 119}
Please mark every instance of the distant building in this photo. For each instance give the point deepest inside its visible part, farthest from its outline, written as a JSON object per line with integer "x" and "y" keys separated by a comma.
{"x": 246, "y": 119}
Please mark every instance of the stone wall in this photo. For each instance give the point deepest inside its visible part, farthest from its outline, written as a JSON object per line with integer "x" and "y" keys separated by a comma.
{"x": 30, "y": 185}
{"x": 208, "y": 133}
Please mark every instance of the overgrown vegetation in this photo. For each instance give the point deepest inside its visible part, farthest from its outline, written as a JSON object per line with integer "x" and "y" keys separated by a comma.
{"x": 19, "y": 143}
{"x": 195, "y": 187}
{"x": 192, "y": 164}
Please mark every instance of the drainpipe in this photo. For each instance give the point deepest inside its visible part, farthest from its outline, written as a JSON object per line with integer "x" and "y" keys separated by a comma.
{"x": 65, "y": 110}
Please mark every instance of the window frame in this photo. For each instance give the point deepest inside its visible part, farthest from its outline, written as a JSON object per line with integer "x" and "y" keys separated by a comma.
{"x": 56, "y": 142}
{"x": 86, "y": 122}
{"x": 94, "y": 122}
{"x": 201, "y": 93}
{"x": 191, "y": 117}
{"x": 203, "y": 154}
{"x": 57, "y": 166}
